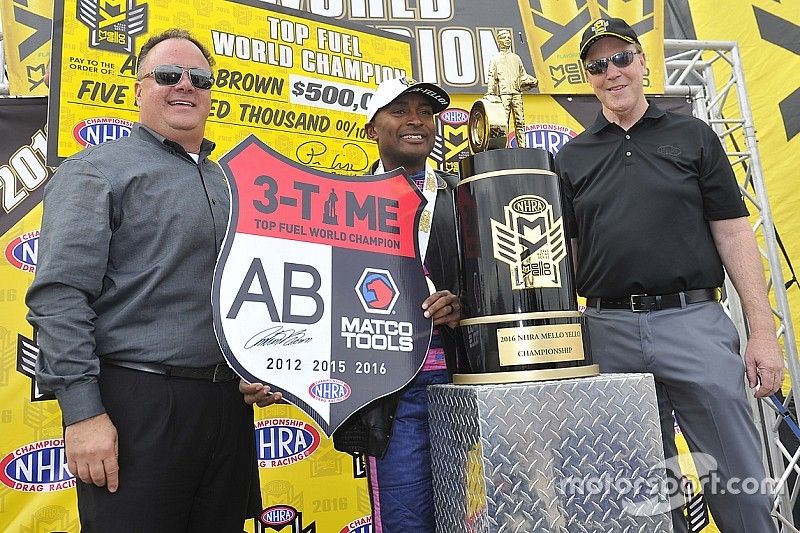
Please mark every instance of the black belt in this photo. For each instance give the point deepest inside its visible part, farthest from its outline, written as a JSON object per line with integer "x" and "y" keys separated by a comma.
{"x": 648, "y": 302}
{"x": 218, "y": 373}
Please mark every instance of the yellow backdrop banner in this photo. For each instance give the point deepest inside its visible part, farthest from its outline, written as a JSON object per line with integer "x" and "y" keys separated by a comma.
{"x": 768, "y": 37}
{"x": 26, "y": 39}
{"x": 300, "y": 82}
{"x": 554, "y": 29}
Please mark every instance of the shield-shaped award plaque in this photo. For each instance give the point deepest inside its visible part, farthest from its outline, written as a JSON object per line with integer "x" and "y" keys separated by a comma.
{"x": 319, "y": 285}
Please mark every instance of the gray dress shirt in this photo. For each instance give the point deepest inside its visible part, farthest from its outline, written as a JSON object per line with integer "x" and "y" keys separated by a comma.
{"x": 129, "y": 239}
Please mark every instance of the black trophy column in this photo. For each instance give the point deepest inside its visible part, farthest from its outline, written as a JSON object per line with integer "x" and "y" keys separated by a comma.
{"x": 521, "y": 321}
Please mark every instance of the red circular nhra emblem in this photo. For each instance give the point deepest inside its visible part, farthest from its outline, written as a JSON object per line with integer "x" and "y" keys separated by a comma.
{"x": 359, "y": 525}
{"x": 377, "y": 291}
{"x": 329, "y": 390}
{"x": 37, "y": 467}
{"x": 454, "y": 116}
{"x": 23, "y": 251}
{"x": 278, "y": 515}
{"x": 94, "y": 131}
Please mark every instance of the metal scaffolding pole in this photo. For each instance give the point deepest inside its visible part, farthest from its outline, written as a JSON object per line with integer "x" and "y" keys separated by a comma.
{"x": 711, "y": 73}
{"x": 3, "y": 78}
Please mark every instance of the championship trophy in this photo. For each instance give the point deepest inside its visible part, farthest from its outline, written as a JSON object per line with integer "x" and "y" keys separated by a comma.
{"x": 519, "y": 302}
{"x": 516, "y": 445}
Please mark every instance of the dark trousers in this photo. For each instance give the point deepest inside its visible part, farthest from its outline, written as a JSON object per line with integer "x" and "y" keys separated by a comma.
{"x": 186, "y": 457}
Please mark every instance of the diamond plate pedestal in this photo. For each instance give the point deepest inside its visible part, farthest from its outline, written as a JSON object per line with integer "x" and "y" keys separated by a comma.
{"x": 571, "y": 456}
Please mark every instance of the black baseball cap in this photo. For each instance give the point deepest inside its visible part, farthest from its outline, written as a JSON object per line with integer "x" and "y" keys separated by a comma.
{"x": 613, "y": 27}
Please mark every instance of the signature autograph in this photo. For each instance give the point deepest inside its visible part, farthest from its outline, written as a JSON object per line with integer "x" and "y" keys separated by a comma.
{"x": 277, "y": 335}
{"x": 315, "y": 153}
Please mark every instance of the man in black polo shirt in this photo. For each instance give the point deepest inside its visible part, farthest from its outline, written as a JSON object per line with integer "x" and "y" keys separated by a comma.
{"x": 655, "y": 213}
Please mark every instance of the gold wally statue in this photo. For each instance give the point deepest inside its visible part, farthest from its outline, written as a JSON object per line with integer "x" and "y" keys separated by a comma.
{"x": 491, "y": 115}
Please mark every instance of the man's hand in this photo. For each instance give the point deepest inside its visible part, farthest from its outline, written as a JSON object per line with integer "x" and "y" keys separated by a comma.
{"x": 444, "y": 307}
{"x": 92, "y": 452}
{"x": 258, "y": 393}
{"x": 742, "y": 261}
{"x": 764, "y": 363}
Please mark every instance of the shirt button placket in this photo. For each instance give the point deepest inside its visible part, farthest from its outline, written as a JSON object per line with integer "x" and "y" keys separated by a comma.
{"x": 628, "y": 152}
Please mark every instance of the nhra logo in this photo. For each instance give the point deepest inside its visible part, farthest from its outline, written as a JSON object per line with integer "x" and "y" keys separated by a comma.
{"x": 359, "y": 525}
{"x": 37, "y": 467}
{"x": 284, "y": 441}
{"x": 377, "y": 291}
{"x": 454, "y": 116}
{"x": 329, "y": 390}
{"x": 531, "y": 242}
{"x": 277, "y": 517}
{"x": 550, "y": 137}
{"x": 113, "y": 23}
{"x": 23, "y": 251}
{"x": 94, "y": 131}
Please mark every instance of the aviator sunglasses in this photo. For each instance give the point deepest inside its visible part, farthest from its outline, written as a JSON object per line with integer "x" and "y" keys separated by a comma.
{"x": 620, "y": 60}
{"x": 171, "y": 75}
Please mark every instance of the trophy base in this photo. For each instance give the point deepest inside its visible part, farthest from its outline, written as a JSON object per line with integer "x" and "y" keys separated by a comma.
{"x": 574, "y": 455}
{"x": 491, "y": 378}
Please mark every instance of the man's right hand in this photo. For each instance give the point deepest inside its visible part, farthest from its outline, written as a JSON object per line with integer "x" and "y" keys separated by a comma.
{"x": 92, "y": 451}
{"x": 258, "y": 393}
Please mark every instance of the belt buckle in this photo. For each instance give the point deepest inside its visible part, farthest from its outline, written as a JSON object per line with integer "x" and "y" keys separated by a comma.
{"x": 217, "y": 370}
{"x": 633, "y": 304}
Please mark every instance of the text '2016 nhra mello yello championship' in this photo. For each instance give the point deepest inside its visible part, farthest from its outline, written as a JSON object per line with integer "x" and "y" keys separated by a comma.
{"x": 319, "y": 285}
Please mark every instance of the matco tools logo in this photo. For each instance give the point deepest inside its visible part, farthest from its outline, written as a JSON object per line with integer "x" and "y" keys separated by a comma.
{"x": 37, "y": 467}
{"x": 377, "y": 291}
{"x": 284, "y": 441}
{"x": 530, "y": 242}
{"x": 113, "y": 23}
{"x": 94, "y": 131}
{"x": 23, "y": 251}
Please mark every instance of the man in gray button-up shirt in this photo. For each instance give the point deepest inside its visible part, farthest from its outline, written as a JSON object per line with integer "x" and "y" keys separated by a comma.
{"x": 122, "y": 303}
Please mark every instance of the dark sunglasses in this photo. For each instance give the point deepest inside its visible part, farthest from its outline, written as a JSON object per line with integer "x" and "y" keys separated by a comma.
{"x": 620, "y": 60}
{"x": 171, "y": 75}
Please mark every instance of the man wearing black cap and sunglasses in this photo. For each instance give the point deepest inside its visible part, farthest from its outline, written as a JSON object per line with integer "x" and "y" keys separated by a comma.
{"x": 157, "y": 432}
{"x": 654, "y": 213}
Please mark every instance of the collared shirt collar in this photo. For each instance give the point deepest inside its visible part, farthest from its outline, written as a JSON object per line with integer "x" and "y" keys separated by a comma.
{"x": 653, "y": 111}
{"x": 206, "y": 147}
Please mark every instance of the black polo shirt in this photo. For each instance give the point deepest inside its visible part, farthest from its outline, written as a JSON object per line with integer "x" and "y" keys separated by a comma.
{"x": 639, "y": 202}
